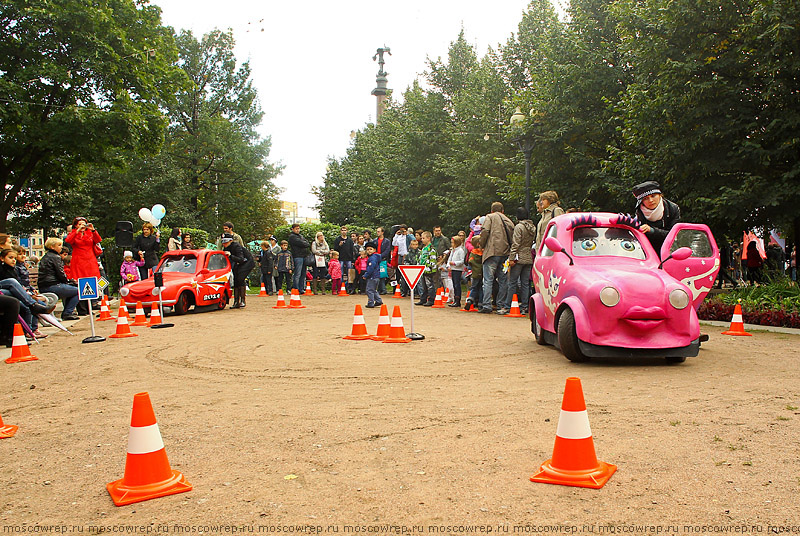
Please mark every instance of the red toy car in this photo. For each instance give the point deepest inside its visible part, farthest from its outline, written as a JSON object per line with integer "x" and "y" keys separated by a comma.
{"x": 192, "y": 277}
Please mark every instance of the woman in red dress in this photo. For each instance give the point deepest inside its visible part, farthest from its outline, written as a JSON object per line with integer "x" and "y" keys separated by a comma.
{"x": 83, "y": 238}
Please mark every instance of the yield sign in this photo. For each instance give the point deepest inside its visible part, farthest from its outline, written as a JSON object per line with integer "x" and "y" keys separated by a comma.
{"x": 411, "y": 273}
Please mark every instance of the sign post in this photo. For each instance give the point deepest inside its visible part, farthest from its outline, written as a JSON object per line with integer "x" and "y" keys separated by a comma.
{"x": 158, "y": 286}
{"x": 88, "y": 290}
{"x": 412, "y": 274}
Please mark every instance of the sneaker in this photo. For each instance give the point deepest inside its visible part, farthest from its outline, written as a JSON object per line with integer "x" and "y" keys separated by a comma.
{"x": 426, "y": 304}
{"x": 454, "y": 304}
{"x": 39, "y": 309}
{"x": 485, "y": 311}
{"x": 370, "y": 306}
{"x": 71, "y": 316}
{"x": 502, "y": 312}
{"x": 419, "y": 303}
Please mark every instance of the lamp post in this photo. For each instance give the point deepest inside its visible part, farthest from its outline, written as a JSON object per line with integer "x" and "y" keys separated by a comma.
{"x": 525, "y": 142}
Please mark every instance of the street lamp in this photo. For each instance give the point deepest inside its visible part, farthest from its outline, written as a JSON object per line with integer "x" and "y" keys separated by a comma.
{"x": 525, "y": 143}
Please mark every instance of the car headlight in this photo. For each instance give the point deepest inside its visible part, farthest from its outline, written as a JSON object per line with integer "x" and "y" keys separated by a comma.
{"x": 609, "y": 296}
{"x": 678, "y": 298}
{"x": 124, "y": 291}
{"x": 156, "y": 291}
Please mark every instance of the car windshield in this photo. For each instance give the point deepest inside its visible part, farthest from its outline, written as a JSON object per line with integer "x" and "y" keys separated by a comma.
{"x": 608, "y": 241}
{"x": 179, "y": 263}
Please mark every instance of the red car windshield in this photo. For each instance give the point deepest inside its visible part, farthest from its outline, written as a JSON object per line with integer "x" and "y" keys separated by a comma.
{"x": 179, "y": 263}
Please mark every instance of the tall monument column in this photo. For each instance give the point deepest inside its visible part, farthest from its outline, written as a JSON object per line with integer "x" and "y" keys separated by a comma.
{"x": 380, "y": 90}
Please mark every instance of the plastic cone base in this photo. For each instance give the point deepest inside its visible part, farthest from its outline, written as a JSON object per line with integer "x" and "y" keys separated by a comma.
{"x": 12, "y": 360}
{"x": 595, "y": 478}
{"x": 742, "y": 333}
{"x": 122, "y": 494}
{"x": 7, "y": 430}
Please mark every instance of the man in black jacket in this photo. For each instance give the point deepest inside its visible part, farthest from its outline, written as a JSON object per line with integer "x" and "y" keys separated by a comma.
{"x": 656, "y": 214}
{"x": 344, "y": 245}
{"x": 300, "y": 250}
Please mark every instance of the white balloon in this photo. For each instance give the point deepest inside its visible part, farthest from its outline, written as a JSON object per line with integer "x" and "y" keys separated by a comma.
{"x": 156, "y": 222}
{"x": 145, "y": 214}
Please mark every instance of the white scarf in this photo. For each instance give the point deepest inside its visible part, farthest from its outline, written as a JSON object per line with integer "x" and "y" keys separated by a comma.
{"x": 656, "y": 214}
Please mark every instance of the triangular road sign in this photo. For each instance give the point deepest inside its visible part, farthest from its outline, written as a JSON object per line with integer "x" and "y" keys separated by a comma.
{"x": 412, "y": 273}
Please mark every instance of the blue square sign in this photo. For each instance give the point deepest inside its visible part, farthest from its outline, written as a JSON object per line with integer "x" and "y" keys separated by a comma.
{"x": 87, "y": 288}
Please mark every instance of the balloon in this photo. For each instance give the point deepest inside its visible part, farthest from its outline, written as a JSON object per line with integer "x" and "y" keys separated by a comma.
{"x": 156, "y": 222}
{"x": 145, "y": 214}
{"x": 159, "y": 211}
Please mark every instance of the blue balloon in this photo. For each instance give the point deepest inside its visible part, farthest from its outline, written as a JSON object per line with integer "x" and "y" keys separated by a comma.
{"x": 158, "y": 212}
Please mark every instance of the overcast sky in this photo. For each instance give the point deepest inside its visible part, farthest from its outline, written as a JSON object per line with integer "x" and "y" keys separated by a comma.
{"x": 312, "y": 63}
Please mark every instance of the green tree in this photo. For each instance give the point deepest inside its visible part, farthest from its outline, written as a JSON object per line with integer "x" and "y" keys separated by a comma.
{"x": 78, "y": 81}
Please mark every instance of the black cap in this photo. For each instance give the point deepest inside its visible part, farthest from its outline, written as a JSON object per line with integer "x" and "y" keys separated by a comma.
{"x": 646, "y": 188}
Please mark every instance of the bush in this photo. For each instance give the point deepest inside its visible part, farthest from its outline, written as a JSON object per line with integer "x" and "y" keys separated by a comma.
{"x": 774, "y": 304}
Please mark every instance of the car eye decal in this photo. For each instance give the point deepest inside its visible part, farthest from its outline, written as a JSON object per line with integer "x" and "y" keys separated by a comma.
{"x": 627, "y": 245}
{"x": 588, "y": 245}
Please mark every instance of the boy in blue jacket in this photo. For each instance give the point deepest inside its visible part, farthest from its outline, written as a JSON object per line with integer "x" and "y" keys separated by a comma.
{"x": 373, "y": 276}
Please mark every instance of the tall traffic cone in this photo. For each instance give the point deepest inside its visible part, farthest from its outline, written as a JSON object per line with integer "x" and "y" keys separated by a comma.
{"x": 105, "y": 312}
{"x": 294, "y": 302}
{"x": 515, "y": 308}
{"x": 123, "y": 329}
{"x": 397, "y": 293}
{"x": 737, "y": 324}
{"x": 437, "y": 303}
{"x": 147, "y": 471}
{"x": 359, "y": 330}
{"x": 343, "y": 290}
{"x": 263, "y": 292}
{"x": 141, "y": 318}
{"x": 308, "y": 289}
{"x": 384, "y": 325}
{"x": 574, "y": 462}
{"x": 155, "y": 315}
{"x": 7, "y": 430}
{"x": 396, "y": 331}
{"x": 281, "y": 301}
{"x": 19, "y": 347}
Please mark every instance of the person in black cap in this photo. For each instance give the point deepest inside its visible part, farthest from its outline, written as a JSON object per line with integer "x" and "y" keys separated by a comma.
{"x": 658, "y": 215}
{"x": 241, "y": 264}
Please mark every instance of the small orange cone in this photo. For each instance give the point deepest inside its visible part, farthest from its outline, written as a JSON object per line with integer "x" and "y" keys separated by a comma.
{"x": 147, "y": 471}
{"x": 574, "y": 462}
{"x": 281, "y": 301}
{"x": 123, "y": 329}
{"x": 737, "y": 324}
{"x": 465, "y": 309}
{"x": 343, "y": 290}
{"x": 308, "y": 289}
{"x": 294, "y": 302}
{"x": 105, "y": 312}
{"x": 437, "y": 303}
{"x": 384, "y": 325}
{"x": 396, "y": 331}
{"x": 263, "y": 292}
{"x": 19, "y": 347}
{"x": 515, "y": 308}
{"x": 155, "y": 315}
{"x": 359, "y": 331}
{"x": 141, "y": 318}
{"x": 397, "y": 293}
{"x": 7, "y": 430}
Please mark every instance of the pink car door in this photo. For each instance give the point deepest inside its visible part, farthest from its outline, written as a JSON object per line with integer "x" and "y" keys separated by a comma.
{"x": 699, "y": 271}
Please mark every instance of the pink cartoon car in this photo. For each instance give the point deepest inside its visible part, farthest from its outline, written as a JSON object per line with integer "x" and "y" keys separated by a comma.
{"x": 602, "y": 291}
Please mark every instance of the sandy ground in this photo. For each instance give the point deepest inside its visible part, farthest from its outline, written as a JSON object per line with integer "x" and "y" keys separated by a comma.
{"x": 281, "y": 425}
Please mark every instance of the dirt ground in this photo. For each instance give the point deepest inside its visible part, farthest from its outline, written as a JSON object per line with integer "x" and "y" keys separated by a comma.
{"x": 282, "y": 426}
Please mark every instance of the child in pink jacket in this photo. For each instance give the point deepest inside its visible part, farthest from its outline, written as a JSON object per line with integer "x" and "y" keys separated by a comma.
{"x": 129, "y": 271}
{"x": 335, "y": 271}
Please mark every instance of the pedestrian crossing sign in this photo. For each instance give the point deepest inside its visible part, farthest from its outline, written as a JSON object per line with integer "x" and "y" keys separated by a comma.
{"x": 87, "y": 288}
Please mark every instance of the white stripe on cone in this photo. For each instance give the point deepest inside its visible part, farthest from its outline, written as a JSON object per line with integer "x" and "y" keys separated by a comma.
{"x": 737, "y": 318}
{"x": 573, "y": 425}
{"x": 144, "y": 439}
{"x": 397, "y": 322}
{"x": 19, "y": 340}
{"x": 358, "y": 319}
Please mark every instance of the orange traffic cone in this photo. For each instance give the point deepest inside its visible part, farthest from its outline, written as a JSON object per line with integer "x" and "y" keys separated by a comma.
{"x": 123, "y": 329}
{"x": 384, "y": 325}
{"x": 343, "y": 290}
{"x": 515, "y": 308}
{"x": 141, "y": 318}
{"x": 7, "y": 430}
{"x": 263, "y": 292}
{"x": 465, "y": 309}
{"x": 281, "y": 301}
{"x": 19, "y": 347}
{"x": 147, "y": 471}
{"x": 155, "y": 315}
{"x": 396, "y": 331}
{"x": 308, "y": 289}
{"x": 737, "y": 324}
{"x": 105, "y": 312}
{"x": 437, "y": 303}
{"x": 574, "y": 462}
{"x": 359, "y": 331}
{"x": 397, "y": 293}
{"x": 294, "y": 302}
